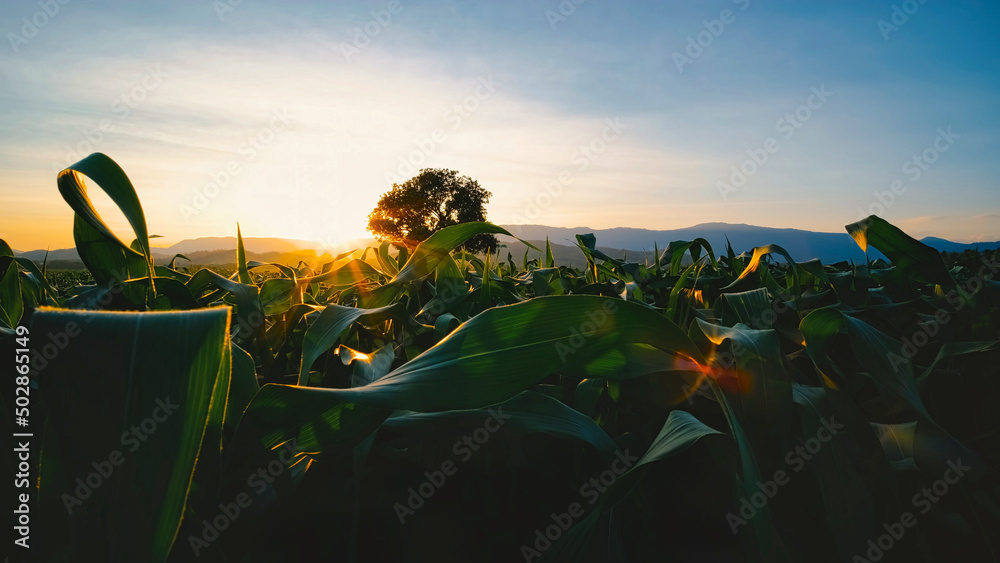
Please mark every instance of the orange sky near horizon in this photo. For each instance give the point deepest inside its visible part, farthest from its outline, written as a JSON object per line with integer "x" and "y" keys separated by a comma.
{"x": 262, "y": 116}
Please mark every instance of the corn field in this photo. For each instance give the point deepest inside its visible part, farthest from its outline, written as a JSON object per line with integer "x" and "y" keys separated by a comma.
{"x": 426, "y": 404}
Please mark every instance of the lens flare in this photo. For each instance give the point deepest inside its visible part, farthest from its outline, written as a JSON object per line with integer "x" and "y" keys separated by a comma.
{"x": 726, "y": 376}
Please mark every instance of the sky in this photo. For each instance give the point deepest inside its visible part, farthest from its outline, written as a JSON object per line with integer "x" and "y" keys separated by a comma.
{"x": 293, "y": 118}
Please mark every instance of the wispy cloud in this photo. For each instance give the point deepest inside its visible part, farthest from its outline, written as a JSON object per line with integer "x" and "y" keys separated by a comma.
{"x": 356, "y": 119}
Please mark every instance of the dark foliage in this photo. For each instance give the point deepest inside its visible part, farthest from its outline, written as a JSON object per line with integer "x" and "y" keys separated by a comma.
{"x": 432, "y": 200}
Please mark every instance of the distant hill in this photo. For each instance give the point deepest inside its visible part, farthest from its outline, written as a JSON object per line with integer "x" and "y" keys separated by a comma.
{"x": 68, "y": 259}
{"x": 635, "y": 244}
{"x": 206, "y": 251}
{"x": 229, "y": 243}
{"x": 949, "y": 246}
{"x": 62, "y": 255}
{"x": 224, "y": 257}
{"x": 565, "y": 255}
{"x": 802, "y": 245}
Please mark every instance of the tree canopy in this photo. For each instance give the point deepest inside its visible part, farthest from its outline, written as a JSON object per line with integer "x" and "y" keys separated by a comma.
{"x": 433, "y": 199}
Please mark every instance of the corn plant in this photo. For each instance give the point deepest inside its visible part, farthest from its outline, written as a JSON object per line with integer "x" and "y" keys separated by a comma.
{"x": 736, "y": 407}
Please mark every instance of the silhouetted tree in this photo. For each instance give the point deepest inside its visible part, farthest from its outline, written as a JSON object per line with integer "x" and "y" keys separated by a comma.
{"x": 433, "y": 199}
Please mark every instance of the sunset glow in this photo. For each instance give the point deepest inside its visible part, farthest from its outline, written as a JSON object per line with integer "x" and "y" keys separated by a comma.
{"x": 303, "y": 145}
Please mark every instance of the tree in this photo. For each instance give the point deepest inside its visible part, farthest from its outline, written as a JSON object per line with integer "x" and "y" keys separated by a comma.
{"x": 433, "y": 199}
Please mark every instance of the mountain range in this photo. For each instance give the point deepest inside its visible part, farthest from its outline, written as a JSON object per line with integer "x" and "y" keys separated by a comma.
{"x": 636, "y": 244}
{"x": 210, "y": 250}
{"x": 801, "y": 244}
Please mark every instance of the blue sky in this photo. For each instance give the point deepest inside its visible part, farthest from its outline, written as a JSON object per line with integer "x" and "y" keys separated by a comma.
{"x": 292, "y": 119}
